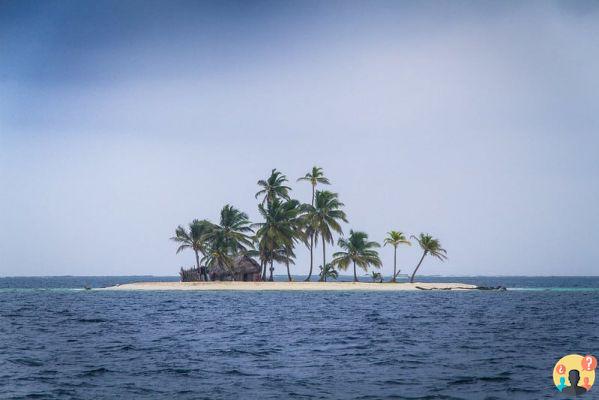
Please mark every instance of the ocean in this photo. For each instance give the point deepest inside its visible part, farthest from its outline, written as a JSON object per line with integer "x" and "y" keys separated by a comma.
{"x": 60, "y": 342}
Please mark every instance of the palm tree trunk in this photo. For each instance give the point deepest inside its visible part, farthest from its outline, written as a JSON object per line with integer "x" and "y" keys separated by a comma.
{"x": 355, "y": 274}
{"x": 287, "y": 265}
{"x": 311, "y": 256}
{"x": 232, "y": 273}
{"x": 394, "y": 264}
{"x": 263, "y": 265}
{"x": 271, "y": 279}
{"x": 311, "y": 242}
{"x": 198, "y": 262}
{"x": 204, "y": 273}
{"x": 417, "y": 266}
{"x": 324, "y": 256}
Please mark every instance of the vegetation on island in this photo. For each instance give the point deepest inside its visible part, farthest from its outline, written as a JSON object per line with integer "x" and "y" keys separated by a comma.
{"x": 286, "y": 224}
{"x": 395, "y": 238}
{"x": 429, "y": 245}
{"x": 328, "y": 272}
{"x": 315, "y": 177}
{"x": 357, "y": 250}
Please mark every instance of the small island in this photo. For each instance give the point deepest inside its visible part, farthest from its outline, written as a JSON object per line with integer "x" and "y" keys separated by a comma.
{"x": 292, "y": 286}
{"x": 237, "y": 254}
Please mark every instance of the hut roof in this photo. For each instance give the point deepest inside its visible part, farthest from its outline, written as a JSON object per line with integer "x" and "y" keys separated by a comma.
{"x": 246, "y": 264}
{"x": 241, "y": 265}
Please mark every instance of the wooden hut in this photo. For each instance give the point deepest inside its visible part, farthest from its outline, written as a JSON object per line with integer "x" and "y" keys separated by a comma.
{"x": 244, "y": 268}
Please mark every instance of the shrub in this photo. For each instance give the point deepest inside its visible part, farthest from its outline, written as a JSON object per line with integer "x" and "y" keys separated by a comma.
{"x": 190, "y": 275}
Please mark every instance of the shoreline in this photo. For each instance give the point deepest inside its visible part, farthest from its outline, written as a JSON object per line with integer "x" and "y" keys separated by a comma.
{"x": 291, "y": 286}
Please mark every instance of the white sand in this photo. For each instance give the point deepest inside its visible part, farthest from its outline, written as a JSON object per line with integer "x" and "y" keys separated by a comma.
{"x": 263, "y": 286}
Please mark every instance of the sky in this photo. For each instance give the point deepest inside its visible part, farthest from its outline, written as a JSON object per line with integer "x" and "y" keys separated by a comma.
{"x": 475, "y": 122}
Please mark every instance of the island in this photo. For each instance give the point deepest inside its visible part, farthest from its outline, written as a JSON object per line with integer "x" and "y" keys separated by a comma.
{"x": 238, "y": 254}
{"x": 296, "y": 286}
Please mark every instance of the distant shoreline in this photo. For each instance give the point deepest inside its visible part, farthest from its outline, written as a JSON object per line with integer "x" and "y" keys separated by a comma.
{"x": 291, "y": 286}
{"x": 298, "y": 276}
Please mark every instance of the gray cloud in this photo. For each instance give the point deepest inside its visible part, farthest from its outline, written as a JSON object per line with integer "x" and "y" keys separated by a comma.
{"x": 476, "y": 125}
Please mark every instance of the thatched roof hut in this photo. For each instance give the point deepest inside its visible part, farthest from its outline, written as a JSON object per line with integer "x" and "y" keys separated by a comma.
{"x": 245, "y": 268}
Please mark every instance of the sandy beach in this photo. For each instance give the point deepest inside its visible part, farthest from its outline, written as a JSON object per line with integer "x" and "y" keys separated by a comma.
{"x": 305, "y": 286}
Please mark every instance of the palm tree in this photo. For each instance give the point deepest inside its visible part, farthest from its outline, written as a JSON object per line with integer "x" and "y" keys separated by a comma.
{"x": 328, "y": 272}
{"x": 357, "y": 251}
{"x": 288, "y": 256}
{"x": 279, "y": 232}
{"x": 218, "y": 255}
{"x": 264, "y": 257}
{"x": 195, "y": 238}
{"x": 430, "y": 246}
{"x": 323, "y": 218}
{"x": 395, "y": 238}
{"x": 233, "y": 235}
{"x": 376, "y": 276}
{"x": 315, "y": 177}
{"x": 270, "y": 256}
{"x": 273, "y": 187}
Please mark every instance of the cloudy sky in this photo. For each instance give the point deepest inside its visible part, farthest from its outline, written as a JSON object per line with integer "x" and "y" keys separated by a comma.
{"x": 475, "y": 121}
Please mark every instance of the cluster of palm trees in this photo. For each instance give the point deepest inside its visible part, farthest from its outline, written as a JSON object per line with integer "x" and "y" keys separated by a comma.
{"x": 218, "y": 244}
{"x": 287, "y": 223}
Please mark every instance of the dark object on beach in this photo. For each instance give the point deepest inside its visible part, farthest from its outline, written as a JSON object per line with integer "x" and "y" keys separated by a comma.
{"x": 502, "y": 288}
{"x": 376, "y": 277}
{"x": 192, "y": 274}
{"x": 244, "y": 268}
{"x": 421, "y": 288}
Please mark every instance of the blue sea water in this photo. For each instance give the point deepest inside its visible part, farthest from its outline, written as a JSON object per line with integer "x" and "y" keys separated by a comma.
{"x": 60, "y": 342}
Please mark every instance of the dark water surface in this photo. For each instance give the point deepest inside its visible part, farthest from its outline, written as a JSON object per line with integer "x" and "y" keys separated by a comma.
{"x": 65, "y": 343}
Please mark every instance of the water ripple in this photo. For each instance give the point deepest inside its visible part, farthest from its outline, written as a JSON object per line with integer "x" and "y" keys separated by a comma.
{"x": 288, "y": 345}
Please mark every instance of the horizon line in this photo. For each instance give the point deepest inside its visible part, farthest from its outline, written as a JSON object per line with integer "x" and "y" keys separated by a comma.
{"x": 285, "y": 275}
